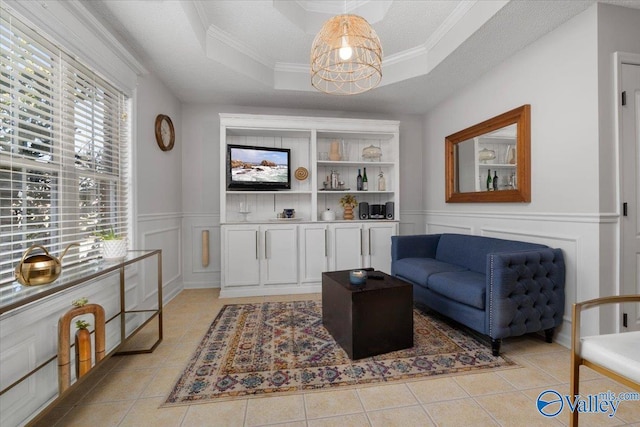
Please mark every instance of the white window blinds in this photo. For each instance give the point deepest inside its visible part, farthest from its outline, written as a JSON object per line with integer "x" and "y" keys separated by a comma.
{"x": 64, "y": 144}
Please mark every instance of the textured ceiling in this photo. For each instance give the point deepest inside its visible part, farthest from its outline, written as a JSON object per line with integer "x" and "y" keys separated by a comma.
{"x": 256, "y": 53}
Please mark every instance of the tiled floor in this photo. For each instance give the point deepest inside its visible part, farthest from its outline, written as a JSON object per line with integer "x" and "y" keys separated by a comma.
{"x": 128, "y": 390}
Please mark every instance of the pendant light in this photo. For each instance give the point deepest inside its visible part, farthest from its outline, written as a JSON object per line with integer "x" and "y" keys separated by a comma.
{"x": 346, "y": 56}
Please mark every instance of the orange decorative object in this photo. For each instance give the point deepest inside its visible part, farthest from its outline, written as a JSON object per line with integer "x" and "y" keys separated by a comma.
{"x": 64, "y": 325}
{"x": 348, "y": 212}
{"x": 83, "y": 352}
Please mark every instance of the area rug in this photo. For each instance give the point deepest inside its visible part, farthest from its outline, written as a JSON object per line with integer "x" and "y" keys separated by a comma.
{"x": 275, "y": 347}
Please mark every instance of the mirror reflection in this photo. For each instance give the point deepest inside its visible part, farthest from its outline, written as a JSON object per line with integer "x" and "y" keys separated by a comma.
{"x": 490, "y": 162}
{"x": 487, "y": 162}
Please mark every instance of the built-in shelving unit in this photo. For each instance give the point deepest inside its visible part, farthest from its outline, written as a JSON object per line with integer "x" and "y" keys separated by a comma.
{"x": 263, "y": 255}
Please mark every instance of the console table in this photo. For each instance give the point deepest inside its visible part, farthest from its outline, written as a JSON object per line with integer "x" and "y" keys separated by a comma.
{"x": 16, "y": 298}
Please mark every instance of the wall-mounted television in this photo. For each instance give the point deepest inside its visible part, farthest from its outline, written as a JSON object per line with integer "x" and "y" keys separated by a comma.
{"x": 258, "y": 168}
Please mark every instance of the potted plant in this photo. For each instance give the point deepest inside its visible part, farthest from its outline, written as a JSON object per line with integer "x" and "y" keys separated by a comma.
{"x": 348, "y": 202}
{"x": 114, "y": 247}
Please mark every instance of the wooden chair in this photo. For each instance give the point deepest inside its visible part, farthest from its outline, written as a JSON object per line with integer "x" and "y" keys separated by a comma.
{"x": 613, "y": 355}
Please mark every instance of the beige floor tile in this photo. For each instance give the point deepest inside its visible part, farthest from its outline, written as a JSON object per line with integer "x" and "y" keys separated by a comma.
{"x": 147, "y": 412}
{"x": 271, "y": 410}
{"x": 291, "y": 424}
{"x": 484, "y": 383}
{"x": 386, "y": 396}
{"x": 526, "y": 378}
{"x": 352, "y": 420}
{"x": 163, "y": 381}
{"x": 405, "y": 417}
{"x": 53, "y": 416}
{"x": 120, "y": 385}
{"x": 514, "y": 409}
{"x": 436, "y": 390}
{"x": 326, "y": 404}
{"x": 107, "y": 414}
{"x": 465, "y": 412}
{"x": 224, "y": 414}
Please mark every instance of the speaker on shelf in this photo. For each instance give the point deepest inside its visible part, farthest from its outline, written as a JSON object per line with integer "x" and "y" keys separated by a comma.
{"x": 389, "y": 208}
{"x": 363, "y": 210}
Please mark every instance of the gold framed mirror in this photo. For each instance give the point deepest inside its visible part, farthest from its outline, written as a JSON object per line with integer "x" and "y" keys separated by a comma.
{"x": 490, "y": 161}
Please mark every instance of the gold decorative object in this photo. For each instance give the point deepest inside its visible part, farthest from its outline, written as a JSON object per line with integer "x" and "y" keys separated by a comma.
{"x": 205, "y": 248}
{"x": 39, "y": 269}
{"x": 346, "y": 56}
{"x": 301, "y": 174}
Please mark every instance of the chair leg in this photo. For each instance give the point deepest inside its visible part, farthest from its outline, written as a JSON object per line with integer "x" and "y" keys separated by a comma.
{"x": 574, "y": 386}
{"x": 495, "y": 346}
{"x": 548, "y": 335}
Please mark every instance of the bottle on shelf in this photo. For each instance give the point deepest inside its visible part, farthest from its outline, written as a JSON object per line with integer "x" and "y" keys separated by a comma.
{"x": 359, "y": 181}
{"x": 334, "y": 180}
{"x": 489, "y": 182}
{"x": 365, "y": 181}
{"x": 495, "y": 180}
{"x": 382, "y": 183}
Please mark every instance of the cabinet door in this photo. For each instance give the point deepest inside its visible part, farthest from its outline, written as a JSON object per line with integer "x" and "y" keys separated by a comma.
{"x": 241, "y": 256}
{"x": 280, "y": 258}
{"x": 314, "y": 252}
{"x": 378, "y": 241}
{"x": 346, "y": 246}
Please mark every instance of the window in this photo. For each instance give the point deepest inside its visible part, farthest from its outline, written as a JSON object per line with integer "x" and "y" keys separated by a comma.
{"x": 64, "y": 137}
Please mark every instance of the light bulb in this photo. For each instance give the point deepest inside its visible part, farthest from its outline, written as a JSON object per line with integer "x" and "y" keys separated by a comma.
{"x": 345, "y": 52}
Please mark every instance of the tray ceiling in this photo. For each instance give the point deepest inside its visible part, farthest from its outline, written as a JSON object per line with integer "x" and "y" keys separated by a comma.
{"x": 256, "y": 53}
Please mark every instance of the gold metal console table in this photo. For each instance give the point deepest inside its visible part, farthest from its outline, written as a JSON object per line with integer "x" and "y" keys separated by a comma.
{"x": 16, "y": 296}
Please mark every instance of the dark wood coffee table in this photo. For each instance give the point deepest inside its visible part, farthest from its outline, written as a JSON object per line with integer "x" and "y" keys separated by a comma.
{"x": 370, "y": 319}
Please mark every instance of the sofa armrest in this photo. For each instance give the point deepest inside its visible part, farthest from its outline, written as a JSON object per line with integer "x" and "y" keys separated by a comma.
{"x": 416, "y": 246}
{"x": 525, "y": 292}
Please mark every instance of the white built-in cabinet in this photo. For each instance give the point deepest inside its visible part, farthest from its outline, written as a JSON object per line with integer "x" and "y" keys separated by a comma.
{"x": 263, "y": 254}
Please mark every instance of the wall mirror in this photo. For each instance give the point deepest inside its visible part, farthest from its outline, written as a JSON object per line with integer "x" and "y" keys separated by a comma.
{"x": 490, "y": 162}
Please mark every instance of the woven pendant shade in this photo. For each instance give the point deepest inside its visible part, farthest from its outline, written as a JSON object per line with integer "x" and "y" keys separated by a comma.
{"x": 346, "y": 56}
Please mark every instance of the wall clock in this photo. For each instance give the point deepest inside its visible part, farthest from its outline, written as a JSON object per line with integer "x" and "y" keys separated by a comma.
{"x": 165, "y": 133}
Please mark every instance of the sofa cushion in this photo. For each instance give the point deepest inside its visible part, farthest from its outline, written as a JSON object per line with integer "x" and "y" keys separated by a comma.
{"x": 471, "y": 251}
{"x": 466, "y": 287}
{"x": 418, "y": 270}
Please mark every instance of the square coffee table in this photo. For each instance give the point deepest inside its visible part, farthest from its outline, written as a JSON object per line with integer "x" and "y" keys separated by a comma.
{"x": 370, "y": 319}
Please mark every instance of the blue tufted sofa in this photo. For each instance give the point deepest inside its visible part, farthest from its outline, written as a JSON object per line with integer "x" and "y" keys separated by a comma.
{"x": 500, "y": 288}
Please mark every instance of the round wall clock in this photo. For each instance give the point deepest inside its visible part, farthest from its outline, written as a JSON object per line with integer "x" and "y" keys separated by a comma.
{"x": 165, "y": 133}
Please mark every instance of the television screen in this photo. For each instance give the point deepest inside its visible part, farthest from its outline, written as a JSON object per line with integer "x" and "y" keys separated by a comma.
{"x": 258, "y": 168}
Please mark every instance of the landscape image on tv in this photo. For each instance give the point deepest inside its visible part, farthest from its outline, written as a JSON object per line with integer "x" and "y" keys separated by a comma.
{"x": 255, "y": 165}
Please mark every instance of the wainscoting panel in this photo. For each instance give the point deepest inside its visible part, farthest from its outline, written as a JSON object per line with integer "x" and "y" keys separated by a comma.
{"x": 434, "y": 228}
{"x": 161, "y": 232}
{"x": 411, "y": 222}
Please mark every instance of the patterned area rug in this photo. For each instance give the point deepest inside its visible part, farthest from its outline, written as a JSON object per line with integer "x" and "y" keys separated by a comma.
{"x": 256, "y": 349}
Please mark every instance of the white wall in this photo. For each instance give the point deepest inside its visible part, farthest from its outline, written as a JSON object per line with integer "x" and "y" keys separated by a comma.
{"x": 567, "y": 77}
{"x": 558, "y": 76}
{"x": 618, "y": 31}
{"x": 158, "y": 183}
{"x": 201, "y": 179}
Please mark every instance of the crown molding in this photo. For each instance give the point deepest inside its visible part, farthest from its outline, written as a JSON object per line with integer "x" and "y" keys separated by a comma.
{"x": 238, "y": 46}
{"x": 82, "y": 13}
